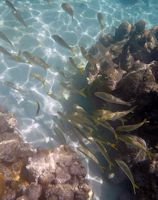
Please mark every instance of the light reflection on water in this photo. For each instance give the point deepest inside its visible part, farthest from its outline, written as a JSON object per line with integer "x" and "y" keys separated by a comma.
{"x": 43, "y": 20}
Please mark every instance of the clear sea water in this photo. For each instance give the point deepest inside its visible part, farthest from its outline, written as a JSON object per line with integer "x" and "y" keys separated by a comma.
{"x": 43, "y": 20}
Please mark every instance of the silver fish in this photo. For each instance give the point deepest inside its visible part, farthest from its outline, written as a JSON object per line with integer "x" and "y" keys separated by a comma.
{"x": 103, "y": 115}
{"x": 101, "y": 21}
{"x": 67, "y": 7}
{"x": 123, "y": 166}
{"x": 111, "y": 99}
{"x": 88, "y": 56}
{"x": 18, "y": 16}
{"x": 133, "y": 127}
{"x": 4, "y": 51}
{"x": 4, "y": 37}
{"x": 74, "y": 65}
{"x": 35, "y": 60}
{"x": 38, "y": 77}
{"x": 62, "y": 42}
{"x": 10, "y": 5}
{"x": 38, "y": 108}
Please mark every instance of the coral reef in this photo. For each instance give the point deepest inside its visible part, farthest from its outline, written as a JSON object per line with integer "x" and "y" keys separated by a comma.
{"x": 30, "y": 174}
{"x": 126, "y": 67}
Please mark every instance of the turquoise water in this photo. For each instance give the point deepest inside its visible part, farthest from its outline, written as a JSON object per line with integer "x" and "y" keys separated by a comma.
{"x": 43, "y": 20}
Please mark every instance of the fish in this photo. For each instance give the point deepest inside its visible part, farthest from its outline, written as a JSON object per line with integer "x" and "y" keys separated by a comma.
{"x": 52, "y": 95}
{"x": 13, "y": 86}
{"x": 72, "y": 89}
{"x": 88, "y": 153}
{"x": 62, "y": 42}
{"x": 10, "y": 5}
{"x": 35, "y": 60}
{"x": 38, "y": 77}
{"x": 17, "y": 58}
{"x": 38, "y": 107}
{"x": 88, "y": 56}
{"x": 101, "y": 20}
{"x": 74, "y": 65}
{"x": 124, "y": 167}
{"x": 111, "y": 99}
{"x": 82, "y": 119}
{"x": 129, "y": 128}
{"x": 4, "y": 51}
{"x": 68, "y": 8}
{"x": 104, "y": 115}
{"x": 107, "y": 126}
{"x": 18, "y": 16}
{"x": 60, "y": 133}
{"x": 135, "y": 141}
{"x": 105, "y": 154}
{"x": 5, "y": 38}
{"x": 16, "y": 13}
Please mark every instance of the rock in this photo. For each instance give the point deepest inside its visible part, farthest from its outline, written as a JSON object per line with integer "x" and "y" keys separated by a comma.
{"x": 139, "y": 27}
{"x": 34, "y": 191}
{"x": 9, "y": 194}
{"x": 9, "y": 147}
{"x": 28, "y": 174}
{"x": 136, "y": 83}
{"x": 122, "y": 31}
{"x": 41, "y": 167}
{"x": 68, "y": 192}
{"x": 22, "y": 198}
{"x": 7, "y": 122}
{"x": 106, "y": 40}
{"x": 146, "y": 179}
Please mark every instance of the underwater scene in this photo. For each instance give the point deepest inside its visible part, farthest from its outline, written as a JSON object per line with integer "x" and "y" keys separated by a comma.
{"x": 78, "y": 100}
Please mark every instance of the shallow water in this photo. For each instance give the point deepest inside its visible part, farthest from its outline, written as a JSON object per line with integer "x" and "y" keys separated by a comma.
{"x": 43, "y": 20}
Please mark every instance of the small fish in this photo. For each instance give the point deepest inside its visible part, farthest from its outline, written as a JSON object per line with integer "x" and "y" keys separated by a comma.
{"x": 103, "y": 115}
{"x": 123, "y": 166}
{"x": 74, "y": 65}
{"x": 62, "y": 42}
{"x": 4, "y": 37}
{"x": 52, "y": 95}
{"x": 88, "y": 153}
{"x": 111, "y": 99}
{"x": 101, "y": 20}
{"x": 128, "y": 128}
{"x": 88, "y": 56}
{"x": 4, "y": 51}
{"x": 18, "y": 16}
{"x": 107, "y": 125}
{"x": 38, "y": 77}
{"x": 17, "y": 58}
{"x": 68, "y": 8}
{"x": 135, "y": 141}
{"x": 13, "y": 86}
{"x": 10, "y": 5}
{"x": 81, "y": 119}
{"x": 38, "y": 107}
{"x": 105, "y": 154}
{"x": 60, "y": 133}
{"x": 72, "y": 89}
{"x": 35, "y": 60}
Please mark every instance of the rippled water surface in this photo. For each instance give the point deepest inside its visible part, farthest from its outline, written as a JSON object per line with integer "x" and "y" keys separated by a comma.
{"x": 43, "y": 20}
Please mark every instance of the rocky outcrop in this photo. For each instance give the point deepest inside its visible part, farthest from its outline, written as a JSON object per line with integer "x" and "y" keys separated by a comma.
{"x": 30, "y": 174}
